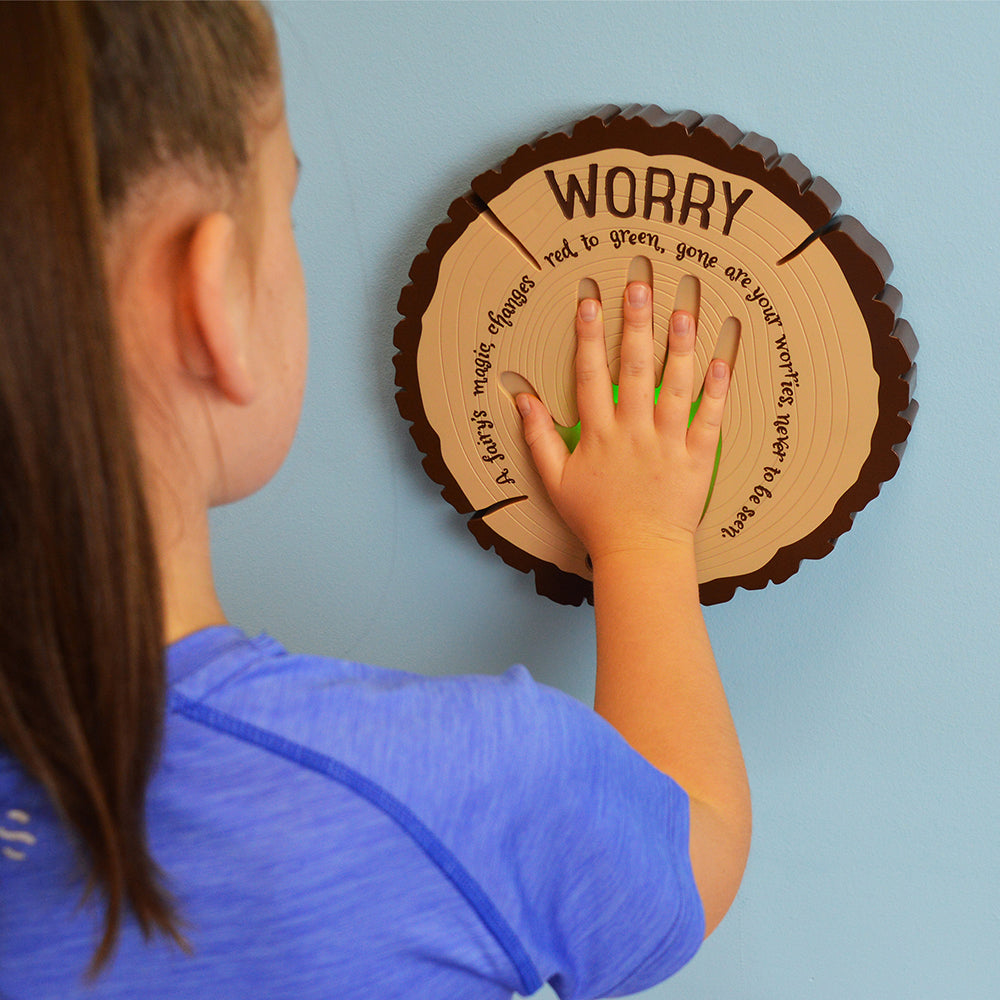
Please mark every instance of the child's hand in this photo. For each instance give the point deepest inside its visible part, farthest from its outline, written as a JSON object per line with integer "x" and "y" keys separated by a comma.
{"x": 640, "y": 474}
{"x": 634, "y": 490}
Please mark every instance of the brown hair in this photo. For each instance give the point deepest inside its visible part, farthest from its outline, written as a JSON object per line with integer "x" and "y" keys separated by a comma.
{"x": 94, "y": 97}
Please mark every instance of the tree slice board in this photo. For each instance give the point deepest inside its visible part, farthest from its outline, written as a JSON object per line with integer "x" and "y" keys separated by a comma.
{"x": 721, "y": 224}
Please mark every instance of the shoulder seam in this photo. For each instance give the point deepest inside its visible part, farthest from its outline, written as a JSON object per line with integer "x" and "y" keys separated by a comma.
{"x": 212, "y": 718}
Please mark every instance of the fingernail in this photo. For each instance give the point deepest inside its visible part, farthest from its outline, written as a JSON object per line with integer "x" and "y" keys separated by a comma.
{"x": 523, "y": 404}
{"x": 718, "y": 369}
{"x": 681, "y": 322}
{"x": 588, "y": 310}
{"x": 638, "y": 294}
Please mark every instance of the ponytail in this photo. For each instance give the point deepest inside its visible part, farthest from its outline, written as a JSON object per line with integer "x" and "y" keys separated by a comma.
{"x": 82, "y": 679}
{"x": 81, "y": 665}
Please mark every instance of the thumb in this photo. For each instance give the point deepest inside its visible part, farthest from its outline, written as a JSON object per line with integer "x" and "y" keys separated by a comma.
{"x": 547, "y": 447}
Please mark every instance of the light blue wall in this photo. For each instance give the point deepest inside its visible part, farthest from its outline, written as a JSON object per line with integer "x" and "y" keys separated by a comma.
{"x": 866, "y": 688}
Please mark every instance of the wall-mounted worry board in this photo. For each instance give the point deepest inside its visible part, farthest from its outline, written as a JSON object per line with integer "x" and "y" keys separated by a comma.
{"x": 723, "y": 225}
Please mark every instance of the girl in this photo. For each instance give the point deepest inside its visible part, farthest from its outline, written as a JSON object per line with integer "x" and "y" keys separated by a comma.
{"x": 230, "y": 819}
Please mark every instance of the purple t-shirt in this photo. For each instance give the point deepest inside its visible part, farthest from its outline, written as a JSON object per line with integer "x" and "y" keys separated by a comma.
{"x": 336, "y": 830}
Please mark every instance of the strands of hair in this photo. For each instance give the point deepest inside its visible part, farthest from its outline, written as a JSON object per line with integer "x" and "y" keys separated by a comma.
{"x": 94, "y": 97}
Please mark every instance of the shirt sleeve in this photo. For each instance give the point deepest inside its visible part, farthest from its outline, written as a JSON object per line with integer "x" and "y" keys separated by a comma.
{"x": 578, "y": 842}
{"x": 593, "y": 867}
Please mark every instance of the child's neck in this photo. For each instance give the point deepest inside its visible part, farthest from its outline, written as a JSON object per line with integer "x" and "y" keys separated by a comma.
{"x": 190, "y": 602}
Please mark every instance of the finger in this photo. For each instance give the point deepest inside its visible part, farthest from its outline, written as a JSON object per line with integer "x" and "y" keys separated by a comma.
{"x": 676, "y": 388}
{"x": 703, "y": 434}
{"x": 593, "y": 382}
{"x": 548, "y": 450}
{"x": 636, "y": 380}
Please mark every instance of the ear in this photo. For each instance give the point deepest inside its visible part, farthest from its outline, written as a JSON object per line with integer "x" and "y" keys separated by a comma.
{"x": 213, "y": 341}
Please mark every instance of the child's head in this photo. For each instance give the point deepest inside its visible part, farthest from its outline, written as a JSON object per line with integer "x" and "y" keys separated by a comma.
{"x": 121, "y": 120}
{"x": 196, "y": 180}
